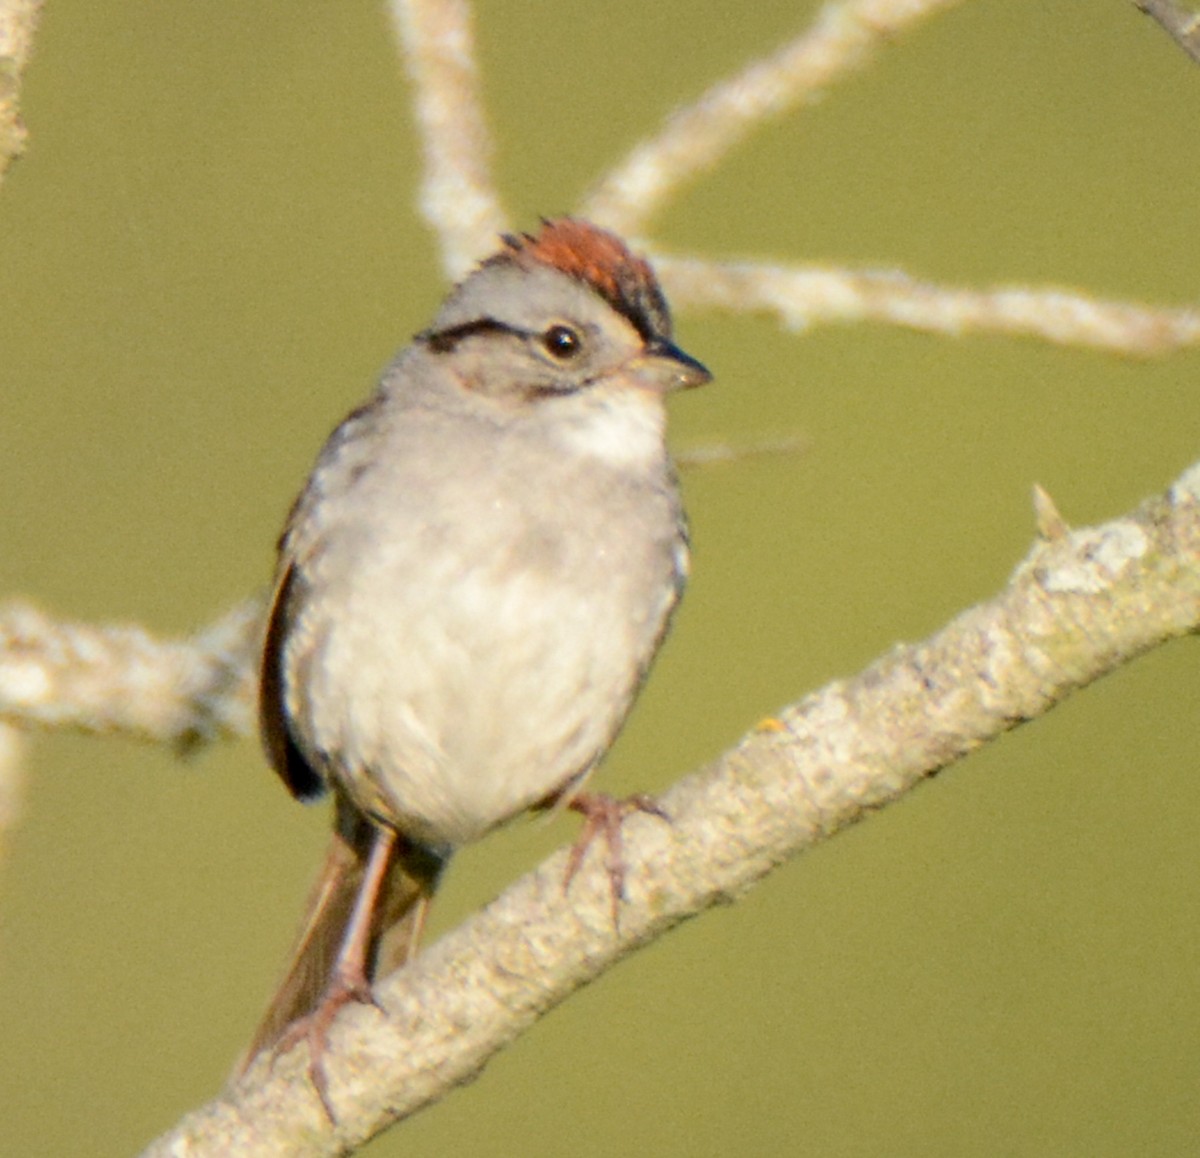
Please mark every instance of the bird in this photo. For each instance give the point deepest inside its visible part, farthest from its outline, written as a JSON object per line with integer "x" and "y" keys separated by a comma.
{"x": 470, "y": 590}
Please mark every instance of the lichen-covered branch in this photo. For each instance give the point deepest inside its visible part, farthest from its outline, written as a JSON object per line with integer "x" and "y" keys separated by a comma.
{"x": 803, "y": 296}
{"x": 18, "y": 21}
{"x": 698, "y": 135}
{"x": 458, "y": 196}
{"x": 1081, "y": 604}
{"x": 122, "y": 679}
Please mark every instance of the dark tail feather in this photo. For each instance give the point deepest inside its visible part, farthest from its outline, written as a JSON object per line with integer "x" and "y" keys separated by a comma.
{"x": 396, "y": 923}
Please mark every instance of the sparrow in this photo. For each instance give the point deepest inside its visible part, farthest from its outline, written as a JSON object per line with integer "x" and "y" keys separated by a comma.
{"x": 470, "y": 590}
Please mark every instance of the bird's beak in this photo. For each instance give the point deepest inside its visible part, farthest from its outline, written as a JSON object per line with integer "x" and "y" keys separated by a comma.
{"x": 662, "y": 366}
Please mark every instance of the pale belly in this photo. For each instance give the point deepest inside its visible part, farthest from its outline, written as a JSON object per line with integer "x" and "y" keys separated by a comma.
{"x": 479, "y": 698}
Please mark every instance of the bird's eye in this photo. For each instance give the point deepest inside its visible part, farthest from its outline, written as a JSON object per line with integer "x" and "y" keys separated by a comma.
{"x": 562, "y": 342}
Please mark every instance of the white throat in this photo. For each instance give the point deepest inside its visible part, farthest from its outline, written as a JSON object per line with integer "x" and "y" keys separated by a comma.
{"x": 619, "y": 427}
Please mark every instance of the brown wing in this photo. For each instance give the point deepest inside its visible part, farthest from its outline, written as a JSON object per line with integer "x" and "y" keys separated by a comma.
{"x": 315, "y": 951}
{"x": 303, "y": 781}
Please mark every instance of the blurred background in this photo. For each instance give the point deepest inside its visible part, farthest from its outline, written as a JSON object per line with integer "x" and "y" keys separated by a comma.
{"x": 207, "y": 255}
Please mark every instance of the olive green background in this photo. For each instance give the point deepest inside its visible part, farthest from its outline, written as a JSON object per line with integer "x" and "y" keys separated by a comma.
{"x": 207, "y": 254}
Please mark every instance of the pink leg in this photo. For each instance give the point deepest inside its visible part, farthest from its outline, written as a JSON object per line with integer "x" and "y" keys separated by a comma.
{"x": 348, "y": 979}
{"x": 603, "y": 815}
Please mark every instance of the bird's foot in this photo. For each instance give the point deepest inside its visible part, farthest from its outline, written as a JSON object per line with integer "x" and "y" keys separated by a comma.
{"x": 343, "y": 989}
{"x": 603, "y": 816}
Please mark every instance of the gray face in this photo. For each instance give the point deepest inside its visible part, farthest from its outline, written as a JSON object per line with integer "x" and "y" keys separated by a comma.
{"x": 522, "y": 333}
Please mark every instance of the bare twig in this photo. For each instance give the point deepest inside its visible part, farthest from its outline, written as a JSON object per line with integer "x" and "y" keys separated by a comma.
{"x": 458, "y": 197}
{"x": 698, "y": 135}
{"x": 719, "y": 453}
{"x": 18, "y": 21}
{"x": 121, "y": 679}
{"x": 802, "y": 296}
{"x": 1082, "y": 604}
{"x": 1181, "y": 24}
{"x": 12, "y": 745}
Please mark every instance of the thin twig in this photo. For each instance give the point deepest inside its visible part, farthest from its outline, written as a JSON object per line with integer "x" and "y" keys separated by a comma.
{"x": 1181, "y": 24}
{"x": 701, "y": 455}
{"x": 458, "y": 196}
{"x": 803, "y": 296}
{"x": 698, "y": 135}
{"x": 1082, "y": 604}
{"x": 12, "y": 751}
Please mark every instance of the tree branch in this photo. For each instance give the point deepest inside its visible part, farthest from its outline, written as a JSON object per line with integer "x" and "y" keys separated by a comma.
{"x": 1181, "y": 24}
{"x": 803, "y": 296}
{"x": 122, "y": 679}
{"x": 1081, "y": 604}
{"x": 18, "y": 22}
{"x": 697, "y": 136}
{"x": 12, "y": 745}
{"x": 458, "y": 196}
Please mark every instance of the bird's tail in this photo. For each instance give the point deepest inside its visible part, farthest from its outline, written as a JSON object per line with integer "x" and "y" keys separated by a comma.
{"x": 395, "y": 927}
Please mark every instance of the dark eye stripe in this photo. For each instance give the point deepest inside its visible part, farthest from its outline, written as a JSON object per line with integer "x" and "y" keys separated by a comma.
{"x": 560, "y": 341}
{"x": 443, "y": 341}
